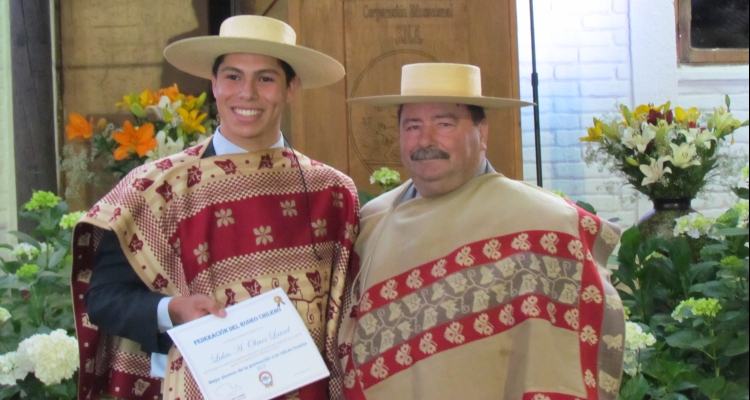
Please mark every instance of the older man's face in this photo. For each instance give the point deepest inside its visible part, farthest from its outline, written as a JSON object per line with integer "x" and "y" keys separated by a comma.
{"x": 440, "y": 146}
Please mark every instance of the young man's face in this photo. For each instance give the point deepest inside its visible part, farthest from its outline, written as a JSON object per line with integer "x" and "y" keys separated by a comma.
{"x": 440, "y": 146}
{"x": 251, "y": 92}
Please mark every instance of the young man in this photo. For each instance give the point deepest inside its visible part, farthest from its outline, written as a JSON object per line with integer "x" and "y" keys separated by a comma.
{"x": 474, "y": 286}
{"x": 235, "y": 216}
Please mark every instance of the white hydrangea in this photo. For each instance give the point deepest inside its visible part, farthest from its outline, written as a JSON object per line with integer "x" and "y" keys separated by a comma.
{"x": 694, "y": 225}
{"x": 24, "y": 251}
{"x": 4, "y": 315}
{"x": 635, "y": 340}
{"x": 52, "y": 357}
{"x": 9, "y": 371}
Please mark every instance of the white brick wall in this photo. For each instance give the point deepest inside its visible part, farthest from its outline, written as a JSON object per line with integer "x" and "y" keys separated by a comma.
{"x": 586, "y": 66}
{"x": 8, "y": 216}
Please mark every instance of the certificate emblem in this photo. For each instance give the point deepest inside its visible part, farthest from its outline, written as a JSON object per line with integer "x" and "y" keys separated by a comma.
{"x": 266, "y": 379}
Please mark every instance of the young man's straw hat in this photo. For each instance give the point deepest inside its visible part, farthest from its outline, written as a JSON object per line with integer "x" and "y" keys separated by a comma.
{"x": 440, "y": 83}
{"x": 259, "y": 35}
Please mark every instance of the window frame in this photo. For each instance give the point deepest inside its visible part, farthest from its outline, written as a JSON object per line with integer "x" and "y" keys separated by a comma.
{"x": 697, "y": 56}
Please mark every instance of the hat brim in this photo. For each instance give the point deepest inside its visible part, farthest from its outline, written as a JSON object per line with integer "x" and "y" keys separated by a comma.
{"x": 196, "y": 56}
{"x": 396, "y": 100}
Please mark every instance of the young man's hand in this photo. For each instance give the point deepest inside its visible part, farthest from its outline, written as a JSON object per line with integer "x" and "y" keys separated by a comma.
{"x": 184, "y": 309}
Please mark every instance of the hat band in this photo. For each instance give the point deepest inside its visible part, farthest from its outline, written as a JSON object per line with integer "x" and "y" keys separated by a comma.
{"x": 431, "y": 91}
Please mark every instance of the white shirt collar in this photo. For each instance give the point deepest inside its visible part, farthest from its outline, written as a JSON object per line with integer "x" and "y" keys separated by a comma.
{"x": 223, "y": 146}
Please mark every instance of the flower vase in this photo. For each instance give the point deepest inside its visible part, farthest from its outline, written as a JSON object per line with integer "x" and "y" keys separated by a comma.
{"x": 660, "y": 220}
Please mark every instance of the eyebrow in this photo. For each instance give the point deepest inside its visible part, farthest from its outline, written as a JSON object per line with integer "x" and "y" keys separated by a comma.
{"x": 256, "y": 73}
{"x": 449, "y": 116}
{"x": 266, "y": 71}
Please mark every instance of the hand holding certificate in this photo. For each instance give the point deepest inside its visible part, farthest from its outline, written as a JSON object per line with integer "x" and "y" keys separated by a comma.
{"x": 261, "y": 350}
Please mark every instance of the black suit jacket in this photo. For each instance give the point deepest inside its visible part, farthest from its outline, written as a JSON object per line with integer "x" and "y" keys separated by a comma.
{"x": 118, "y": 302}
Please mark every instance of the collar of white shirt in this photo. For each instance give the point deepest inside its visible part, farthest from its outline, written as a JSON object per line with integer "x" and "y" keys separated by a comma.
{"x": 223, "y": 146}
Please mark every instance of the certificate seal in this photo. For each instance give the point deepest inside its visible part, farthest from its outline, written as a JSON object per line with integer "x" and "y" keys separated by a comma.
{"x": 266, "y": 379}
{"x": 279, "y": 301}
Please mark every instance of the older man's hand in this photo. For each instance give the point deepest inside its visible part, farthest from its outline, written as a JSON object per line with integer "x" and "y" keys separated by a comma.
{"x": 184, "y": 309}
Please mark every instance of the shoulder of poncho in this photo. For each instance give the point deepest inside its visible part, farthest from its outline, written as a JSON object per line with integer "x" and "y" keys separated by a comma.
{"x": 548, "y": 199}
{"x": 384, "y": 201}
{"x": 335, "y": 177}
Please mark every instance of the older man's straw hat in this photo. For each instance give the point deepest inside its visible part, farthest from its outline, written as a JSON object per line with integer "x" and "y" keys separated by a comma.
{"x": 260, "y": 35}
{"x": 440, "y": 83}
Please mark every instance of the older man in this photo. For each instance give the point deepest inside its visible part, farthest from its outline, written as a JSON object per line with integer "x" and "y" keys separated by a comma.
{"x": 235, "y": 216}
{"x": 472, "y": 285}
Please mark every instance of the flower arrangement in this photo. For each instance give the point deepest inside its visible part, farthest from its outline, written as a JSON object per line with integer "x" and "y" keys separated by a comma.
{"x": 165, "y": 122}
{"x": 38, "y": 352}
{"x": 687, "y": 335}
{"x": 663, "y": 153}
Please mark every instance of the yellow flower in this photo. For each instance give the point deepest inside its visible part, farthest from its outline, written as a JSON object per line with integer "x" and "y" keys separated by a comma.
{"x": 689, "y": 117}
{"x": 133, "y": 140}
{"x": 191, "y": 121}
{"x": 145, "y": 99}
{"x": 78, "y": 127}
{"x": 191, "y": 103}
{"x": 595, "y": 132}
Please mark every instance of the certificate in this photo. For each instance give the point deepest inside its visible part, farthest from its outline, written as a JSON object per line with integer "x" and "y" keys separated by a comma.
{"x": 261, "y": 350}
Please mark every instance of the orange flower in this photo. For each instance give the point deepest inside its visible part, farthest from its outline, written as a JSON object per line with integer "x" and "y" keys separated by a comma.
{"x": 172, "y": 92}
{"x": 134, "y": 140}
{"x": 78, "y": 127}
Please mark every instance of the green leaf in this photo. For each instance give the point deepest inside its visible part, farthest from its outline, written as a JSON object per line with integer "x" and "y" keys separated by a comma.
{"x": 738, "y": 346}
{"x": 8, "y": 392}
{"x": 586, "y": 206}
{"x": 713, "y": 289}
{"x": 727, "y": 101}
{"x": 681, "y": 386}
{"x": 25, "y": 238}
{"x": 733, "y": 391}
{"x": 57, "y": 256}
{"x": 635, "y": 389}
{"x": 712, "y": 387}
{"x": 703, "y": 342}
{"x": 731, "y": 232}
{"x": 741, "y": 192}
{"x": 701, "y": 269}
{"x": 683, "y": 339}
{"x": 137, "y": 110}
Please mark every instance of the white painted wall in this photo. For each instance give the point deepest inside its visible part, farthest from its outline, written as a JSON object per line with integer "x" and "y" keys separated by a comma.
{"x": 8, "y": 218}
{"x": 592, "y": 54}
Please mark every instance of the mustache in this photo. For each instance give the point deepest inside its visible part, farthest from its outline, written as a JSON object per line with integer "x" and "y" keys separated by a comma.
{"x": 429, "y": 153}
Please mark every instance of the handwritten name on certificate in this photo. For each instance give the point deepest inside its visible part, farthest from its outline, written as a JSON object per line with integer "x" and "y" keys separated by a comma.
{"x": 261, "y": 350}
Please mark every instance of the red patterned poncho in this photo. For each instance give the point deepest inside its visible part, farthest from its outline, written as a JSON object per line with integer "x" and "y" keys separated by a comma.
{"x": 497, "y": 290}
{"x": 229, "y": 227}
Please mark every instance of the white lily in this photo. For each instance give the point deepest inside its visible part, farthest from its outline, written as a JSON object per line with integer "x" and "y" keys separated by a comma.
{"x": 164, "y": 111}
{"x": 166, "y": 146}
{"x": 698, "y": 136}
{"x": 683, "y": 155}
{"x": 655, "y": 171}
{"x": 639, "y": 140}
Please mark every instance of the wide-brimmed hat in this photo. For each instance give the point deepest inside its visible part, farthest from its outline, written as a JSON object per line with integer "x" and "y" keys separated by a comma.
{"x": 440, "y": 83}
{"x": 259, "y": 35}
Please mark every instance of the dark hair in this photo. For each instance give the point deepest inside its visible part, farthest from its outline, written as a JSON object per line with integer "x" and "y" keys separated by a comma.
{"x": 477, "y": 113}
{"x": 288, "y": 70}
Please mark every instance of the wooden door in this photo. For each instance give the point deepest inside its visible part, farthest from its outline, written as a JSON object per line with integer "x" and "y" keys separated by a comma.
{"x": 373, "y": 39}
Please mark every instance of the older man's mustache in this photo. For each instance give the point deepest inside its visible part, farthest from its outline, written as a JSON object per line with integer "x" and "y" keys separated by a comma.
{"x": 429, "y": 153}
